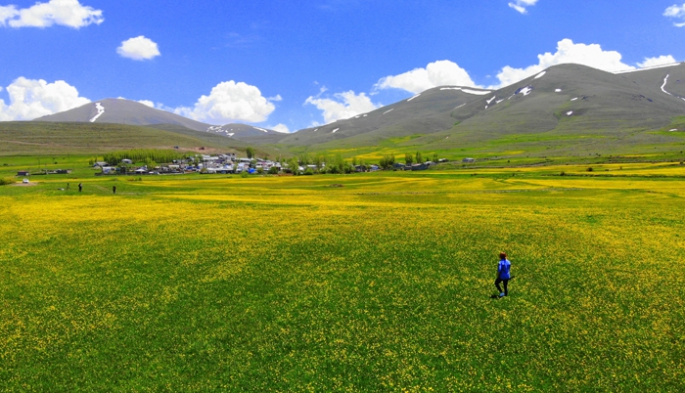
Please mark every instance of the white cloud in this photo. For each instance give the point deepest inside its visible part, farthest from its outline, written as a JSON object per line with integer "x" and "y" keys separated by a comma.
{"x": 229, "y": 102}
{"x": 68, "y": 13}
{"x": 657, "y": 61}
{"x": 567, "y": 52}
{"x": 346, "y": 105}
{"x": 276, "y": 98}
{"x": 280, "y": 128}
{"x": 30, "y": 99}
{"x": 677, "y": 12}
{"x": 439, "y": 73}
{"x": 521, "y": 5}
{"x": 138, "y": 48}
{"x": 147, "y": 103}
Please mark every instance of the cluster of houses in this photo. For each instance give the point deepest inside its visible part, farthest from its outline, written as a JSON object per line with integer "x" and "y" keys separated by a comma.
{"x": 223, "y": 163}
{"x": 230, "y": 164}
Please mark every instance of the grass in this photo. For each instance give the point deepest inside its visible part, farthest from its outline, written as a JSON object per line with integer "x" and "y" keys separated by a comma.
{"x": 287, "y": 284}
{"x": 37, "y": 138}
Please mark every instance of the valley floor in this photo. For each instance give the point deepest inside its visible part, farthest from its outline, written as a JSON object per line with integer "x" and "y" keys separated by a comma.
{"x": 367, "y": 282}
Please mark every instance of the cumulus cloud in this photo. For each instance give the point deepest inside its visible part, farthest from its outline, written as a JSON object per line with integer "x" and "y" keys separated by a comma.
{"x": 567, "y": 52}
{"x": 29, "y": 99}
{"x": 522, "y": 5}
{"x": 147, "y": 103}
{"x": 657, "y": 61}
{"x": 280, "y": 128}
{"x": 68, "y": 13}
{"x": 677, "y": 12}
{"x": 229, "y": 102}
{"x": 344, "y": 106}
{"x": 439, "y": 73}
{"x": 138, "y": 48}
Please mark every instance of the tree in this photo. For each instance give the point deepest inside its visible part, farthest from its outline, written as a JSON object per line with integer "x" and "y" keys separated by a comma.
{"x": 250, "y": 152}
{"x": 435, "y": 157}
{"x": 419, "y": 158}
{"x": 408, "y": 159}
{"x": 318, "y": 160}
{"x": 388, "y": 161}
{"x": 294, "y": 166}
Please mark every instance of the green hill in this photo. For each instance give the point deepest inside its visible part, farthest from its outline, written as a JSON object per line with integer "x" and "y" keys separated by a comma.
{"x": 566, "y": 110}
{"x": 38, "y": 138}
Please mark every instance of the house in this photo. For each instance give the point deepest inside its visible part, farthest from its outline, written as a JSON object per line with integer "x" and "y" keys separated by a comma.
{"x": 127, "y": 161}
{"x": 100, "y": 164}
{"x": 468, "y": 160}
{"x": 23, "y": 173}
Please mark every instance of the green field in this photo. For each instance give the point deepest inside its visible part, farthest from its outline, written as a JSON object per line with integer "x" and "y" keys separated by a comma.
{"x": 369, "y": 282}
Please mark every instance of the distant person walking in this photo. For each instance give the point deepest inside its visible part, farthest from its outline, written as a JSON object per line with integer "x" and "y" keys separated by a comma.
{"x": 80, "y": 187}
{"x": 503, "y": 274}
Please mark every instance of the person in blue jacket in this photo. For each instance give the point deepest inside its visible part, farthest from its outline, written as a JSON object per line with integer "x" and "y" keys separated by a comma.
{"x": 503, "y": 274}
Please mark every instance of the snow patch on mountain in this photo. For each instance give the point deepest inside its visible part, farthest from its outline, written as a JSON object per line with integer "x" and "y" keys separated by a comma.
{"x": 101, "y": 111}
{"x": 476, "y": 92}
{"x": 663, "y": 87}
{"x": 416, "y": 96}
{"x": 468, "y": 91}
{"x": 569, "y": 113}
{"x": 574, "y": 99}
{"x": 388, "y": 111}
{"x": 540, "y": 75}
{"x": 336, "y": 130}
{"x": 491, "y": 99}
{"x": 524, "y": 90}
{"x": 557, "y": 91}
{"x": 260, "y": 129}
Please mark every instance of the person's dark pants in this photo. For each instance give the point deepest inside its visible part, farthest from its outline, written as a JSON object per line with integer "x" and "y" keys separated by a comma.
{"x": 505, "y": 282}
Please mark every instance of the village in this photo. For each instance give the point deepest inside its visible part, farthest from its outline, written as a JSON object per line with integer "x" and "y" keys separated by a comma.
{"x": 231, "y": 164}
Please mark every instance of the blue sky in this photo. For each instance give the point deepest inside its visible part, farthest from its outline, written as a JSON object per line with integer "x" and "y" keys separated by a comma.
{"x": 294, "y": 64}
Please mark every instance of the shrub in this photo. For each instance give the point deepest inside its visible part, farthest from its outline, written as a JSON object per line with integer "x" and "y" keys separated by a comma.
{"x": 244, "y": 174}
{"x": 308, "y": 172}
{"x": 589, "y": 169}
{"x": 273, "y": 170}
{"x": 6, "y": 181}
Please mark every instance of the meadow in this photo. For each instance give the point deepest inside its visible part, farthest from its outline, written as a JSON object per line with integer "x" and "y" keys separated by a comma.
{"x": 358, "y": 283}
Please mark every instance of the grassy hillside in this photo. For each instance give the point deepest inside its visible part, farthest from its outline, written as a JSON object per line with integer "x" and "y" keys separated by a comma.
{"x": 119, "y": 111}
{"x": 21, "y": 138}
{"x": 381, "y": 283}
{"x": 570, "y": 110}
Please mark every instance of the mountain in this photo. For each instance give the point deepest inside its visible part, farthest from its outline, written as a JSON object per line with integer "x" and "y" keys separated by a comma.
{"x": 119, "y": 111}
{"x": 30, "y": 137}
{"x": 566, "y": 109}
{"x": 423, "y": 113}
{"x": 247, "y": 133}
{"x": 566, "y": 102}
